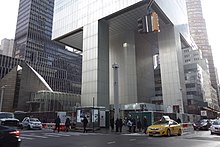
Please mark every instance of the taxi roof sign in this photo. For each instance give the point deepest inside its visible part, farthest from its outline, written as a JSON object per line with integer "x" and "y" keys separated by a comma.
{"x": 165, "y": 118}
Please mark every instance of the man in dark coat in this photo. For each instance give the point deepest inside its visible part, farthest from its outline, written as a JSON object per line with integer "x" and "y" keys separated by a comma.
{"x": 85, "y": 122}
{"x": 120, "y": 125}
{"x": 117, "y": 124}
{"x": 112, "y": 123}
{"x": 67, "y": 124}
{"x": 57, "y": 124}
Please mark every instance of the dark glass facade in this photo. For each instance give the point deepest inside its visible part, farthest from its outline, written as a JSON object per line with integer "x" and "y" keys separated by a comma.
{"x": 58, "y": 66}
{"x": 7, "y": 64}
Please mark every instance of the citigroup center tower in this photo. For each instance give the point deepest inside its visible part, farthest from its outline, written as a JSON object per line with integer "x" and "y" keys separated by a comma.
{"x": 106, "y": 31}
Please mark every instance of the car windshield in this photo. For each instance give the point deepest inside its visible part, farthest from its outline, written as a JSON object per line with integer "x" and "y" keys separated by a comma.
{"x": 161, "y": 123}
{"x": 6, "y": 115}
{"x": 34, "y": 119}
{"x": 216, "y": 122}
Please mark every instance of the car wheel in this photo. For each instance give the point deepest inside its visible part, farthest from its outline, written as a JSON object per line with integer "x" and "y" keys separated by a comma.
{"x": 179, "y": 132}
{"x": 212, "y": 133}
{"x": 168, "y": 133}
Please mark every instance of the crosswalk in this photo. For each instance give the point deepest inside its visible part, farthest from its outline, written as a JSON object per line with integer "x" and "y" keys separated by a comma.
{"x": 46, "y": 135}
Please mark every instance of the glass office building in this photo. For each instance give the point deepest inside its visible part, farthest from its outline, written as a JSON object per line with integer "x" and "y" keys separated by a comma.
{"x": 60, "y": 67}
{"x": 107, "y": 33}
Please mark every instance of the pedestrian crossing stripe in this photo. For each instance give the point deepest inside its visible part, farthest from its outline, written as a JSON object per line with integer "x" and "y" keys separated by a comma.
{"x": 31, "y": 136}
{"x": 27, "y": 138}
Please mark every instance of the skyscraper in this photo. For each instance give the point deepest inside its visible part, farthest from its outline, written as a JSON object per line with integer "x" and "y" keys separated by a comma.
{"x": 58, "y": 66}
{"x": 197, "y": 26}
{"x": 7, "y": 47}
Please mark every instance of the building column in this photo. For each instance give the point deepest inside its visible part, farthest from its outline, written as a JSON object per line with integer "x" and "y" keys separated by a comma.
{"x": 172, "y": 73}
{"x": 95, "y": 68}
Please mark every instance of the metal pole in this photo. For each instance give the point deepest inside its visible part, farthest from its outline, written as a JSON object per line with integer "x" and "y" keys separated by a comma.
{"x": 116, "y": 97}
{"x": 93, "y": 114}
{"x": 2, "y": 94}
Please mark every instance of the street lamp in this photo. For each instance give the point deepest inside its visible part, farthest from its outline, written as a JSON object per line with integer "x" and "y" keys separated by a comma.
{"x": 116, "y": 97}
{"x": 93, "y": 114}
{"x": 2, "y": 94}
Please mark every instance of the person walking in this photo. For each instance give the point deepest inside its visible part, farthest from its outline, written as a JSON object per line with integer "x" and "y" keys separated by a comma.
{"x": 134, "y": 125}
{"x": 178, "y": 120}
{"x": 145, "y": 124}
{"x": 67, "y": 124}
{"x": 57, "y": 124}
{"x": 112, "y": 124}
{"x": 85, "y": 122}
{"x": 139, "y": 125}
{"x": 117, "y": 124}
{"x": 120, "y": 125}
{"x": 129, "y": 124}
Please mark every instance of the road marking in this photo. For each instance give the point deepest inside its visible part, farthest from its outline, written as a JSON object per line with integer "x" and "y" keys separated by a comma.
{"x": 28, "y": 138}
{"x": 51, "y": 135}
{"x": 32, "y": 135}
{"x": 112, "y": 142}
{"x": 132, "y": 139}
{"x": 59, "y": 134}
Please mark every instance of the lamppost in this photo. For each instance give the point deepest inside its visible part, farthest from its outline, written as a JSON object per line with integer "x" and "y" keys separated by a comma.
{"x": 93, "y": 114}
{"x": 116, "y": 97}
{"x": 2, "y": 94}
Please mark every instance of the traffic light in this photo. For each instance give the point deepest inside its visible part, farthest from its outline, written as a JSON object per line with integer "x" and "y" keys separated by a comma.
{"x": 154, "y": 22}
{"x": 142, "y": 25}
{"x": 149, "y": 23}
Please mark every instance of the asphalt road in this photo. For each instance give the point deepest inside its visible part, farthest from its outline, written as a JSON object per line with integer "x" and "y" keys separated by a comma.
{"x": 46, "y": 138}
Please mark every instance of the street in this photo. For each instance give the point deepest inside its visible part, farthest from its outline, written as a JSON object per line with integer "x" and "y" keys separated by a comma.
{"x": 47, "y": 138}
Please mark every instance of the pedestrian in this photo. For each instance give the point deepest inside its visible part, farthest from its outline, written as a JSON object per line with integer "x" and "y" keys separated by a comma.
{"x": 112, "y": 123}
{"x": 145, "y": 124}
{"x": 120, "y": 125}
{"x": 85, "y": 122}
{"x": 178, "y": 120}
{"x": 134, "y": 125}
{"x": 117, "y": 124}
{"x": 129, "y": 124}
{"x": 139, "y": 125}
{"x": 67, "y": 124}
{"x": 57, "y": 124}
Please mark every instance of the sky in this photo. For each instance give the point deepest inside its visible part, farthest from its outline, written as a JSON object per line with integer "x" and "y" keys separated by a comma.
{"x": 9, "y": 12}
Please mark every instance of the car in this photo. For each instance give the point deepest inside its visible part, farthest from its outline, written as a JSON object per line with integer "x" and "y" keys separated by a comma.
{"x": 31, "y": 123}
{"x": 203, "y": 124}
{"x": 9, "y": 137}
{"x": 8, "y": 119}
{"x": 164, "y": 127}
{"x": 215, "y": 127}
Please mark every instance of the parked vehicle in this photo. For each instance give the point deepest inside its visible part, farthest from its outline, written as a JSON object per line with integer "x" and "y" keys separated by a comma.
{"x": 203, "y": 124}
{"x": 164, "y": 127}
{"x": 215, "y": 127}
{"x": 7, "y": 119}
{"x": 9, "y": 137}
{"x": 31, "y": 123}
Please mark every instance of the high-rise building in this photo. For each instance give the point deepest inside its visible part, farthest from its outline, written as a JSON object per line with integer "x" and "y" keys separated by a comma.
{"x": 107, "y": 33}
{"x": 197, "y": 27}
{"x": 7, "y": 47}
{"x": 60, "y": 67}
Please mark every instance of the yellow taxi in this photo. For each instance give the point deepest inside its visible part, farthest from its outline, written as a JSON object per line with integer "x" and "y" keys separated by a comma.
{"x": 164, "y": 127}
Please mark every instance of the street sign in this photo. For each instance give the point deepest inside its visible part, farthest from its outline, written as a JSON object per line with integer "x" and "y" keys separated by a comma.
{"x": 203, "y": 113}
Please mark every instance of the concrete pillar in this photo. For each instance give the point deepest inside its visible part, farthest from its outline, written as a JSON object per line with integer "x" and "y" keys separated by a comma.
{"x": 172, "y": 73}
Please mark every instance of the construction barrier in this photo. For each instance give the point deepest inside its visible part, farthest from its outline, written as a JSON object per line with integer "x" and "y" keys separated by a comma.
{"x": 187, "y": 127}
{"x": 52, "y": 126}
